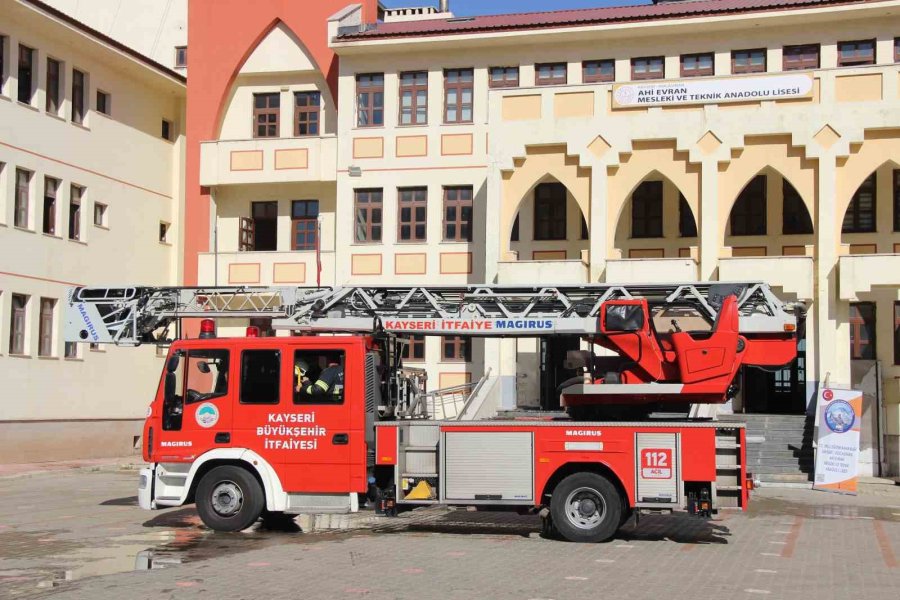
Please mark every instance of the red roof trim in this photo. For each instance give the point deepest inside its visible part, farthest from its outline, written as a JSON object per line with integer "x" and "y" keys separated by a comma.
{"x": 584, "y": 16}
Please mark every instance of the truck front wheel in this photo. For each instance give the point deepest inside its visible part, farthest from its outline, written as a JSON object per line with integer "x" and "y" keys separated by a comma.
{"x": 229, "y": 498}
{"x": 586, "y": 507}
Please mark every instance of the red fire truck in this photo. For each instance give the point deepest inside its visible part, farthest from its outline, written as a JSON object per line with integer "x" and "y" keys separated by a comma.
{"x": 244, "y": 426}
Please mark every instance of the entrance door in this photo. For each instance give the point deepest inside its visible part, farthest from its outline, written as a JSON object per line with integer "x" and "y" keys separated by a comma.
{"x": 780, "y": 391}
{"x": 553, "y": 355}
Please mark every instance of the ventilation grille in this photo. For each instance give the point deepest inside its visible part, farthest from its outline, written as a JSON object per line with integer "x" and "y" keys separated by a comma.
{"x": 372, "y": 383}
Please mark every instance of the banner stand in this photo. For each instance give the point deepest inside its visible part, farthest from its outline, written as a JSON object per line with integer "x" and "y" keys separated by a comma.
{"x": 837, "y": 453}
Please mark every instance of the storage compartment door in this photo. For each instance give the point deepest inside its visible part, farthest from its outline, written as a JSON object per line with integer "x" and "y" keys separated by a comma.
{"x": 489, "y": 467}
{"x": 658, "y": 475}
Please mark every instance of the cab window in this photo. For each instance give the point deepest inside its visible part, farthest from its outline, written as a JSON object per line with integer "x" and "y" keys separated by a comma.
{"x": 207, "y": 375}
{"x": 260, "y": 374}
{"x": 318, "y": 377}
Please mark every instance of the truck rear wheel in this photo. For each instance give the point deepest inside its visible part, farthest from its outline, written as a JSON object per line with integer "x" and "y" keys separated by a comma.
{"x": 229, "y": 498}
{"x": 586, "y": 507}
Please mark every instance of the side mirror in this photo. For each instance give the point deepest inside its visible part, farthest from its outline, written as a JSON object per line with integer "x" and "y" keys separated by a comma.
{"x": 203, "y": 366}
{"x": 172, "y": 365}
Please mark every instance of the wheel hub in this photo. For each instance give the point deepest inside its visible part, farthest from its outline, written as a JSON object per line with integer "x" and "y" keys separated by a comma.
{"x": 227, "y": 498}
{"x": 585, "y": 508}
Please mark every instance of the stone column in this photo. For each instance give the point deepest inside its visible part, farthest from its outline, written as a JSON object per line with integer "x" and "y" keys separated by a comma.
{"x": 710, "y": 239}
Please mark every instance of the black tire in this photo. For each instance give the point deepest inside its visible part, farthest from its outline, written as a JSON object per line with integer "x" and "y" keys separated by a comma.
{"x": 229, "y": 498}
{"x": 586, "y": 507}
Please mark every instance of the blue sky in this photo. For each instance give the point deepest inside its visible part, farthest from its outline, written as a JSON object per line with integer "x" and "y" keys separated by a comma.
{"x": 489, "y": 7}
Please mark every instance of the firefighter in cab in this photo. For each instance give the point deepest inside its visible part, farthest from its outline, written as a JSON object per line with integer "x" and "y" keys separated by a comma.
{"x": 330, "y": 381}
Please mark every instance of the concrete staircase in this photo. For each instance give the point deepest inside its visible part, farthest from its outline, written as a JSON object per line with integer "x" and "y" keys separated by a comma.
{"x": 779, "y": 447}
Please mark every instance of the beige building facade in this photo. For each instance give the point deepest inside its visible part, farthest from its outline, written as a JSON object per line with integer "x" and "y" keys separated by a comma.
{"x": 91, "y": 193}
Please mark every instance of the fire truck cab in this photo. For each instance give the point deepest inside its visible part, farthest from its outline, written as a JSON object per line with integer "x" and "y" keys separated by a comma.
{"x": 247, "y": 427}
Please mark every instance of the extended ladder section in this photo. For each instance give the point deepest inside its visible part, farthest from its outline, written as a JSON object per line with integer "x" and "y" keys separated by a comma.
{"x": 138, "y": 315}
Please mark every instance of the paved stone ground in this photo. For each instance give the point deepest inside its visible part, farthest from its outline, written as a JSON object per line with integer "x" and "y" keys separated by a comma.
{"x": 79, "y": 534}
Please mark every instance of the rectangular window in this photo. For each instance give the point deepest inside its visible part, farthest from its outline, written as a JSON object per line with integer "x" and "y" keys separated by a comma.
{"x": 45, "y": 327}
{"x": 23, "y": 198}
{"x": 180, "y": 57}
{"x": 648, "y": 67}
{"x": 598, "y": 71}
{"x": 368, "y": 215}
{"x": 687, "y": 225}
{"x": 859, "y": 52}
{"x": 54, "y": 75}
{"x": 70, "y": 350}
{"x": 78, "y": 92}
{"x": 414, "y": 351}
{"x": 17, "y": 324}
{"x": 647, "y": 210}
{"x": 748, "y": 217}
{"x": 99, "y": 214}
{"x": 698, "y": 65}
{"x": 307, "y": 113}
{"x": 104, "y": 103}
{"x": 748, "y": 61}
{"x": 370, "y": 100}
{"x": 550, "y": 211}
{"x": 458, "y": 86}
{"x": 414, "y": 98}
{"x": 206, "y": 375}
{"x": 796, "y": 219}
{"x": 266, "y": 109}
{"x": 26, "y": 74}
{"x": 165, "y": 131}
{"x": 860, "y": 215}
{"x": 318, "y": 377}
{"x": 75, "y": 195}
{"x": 164, "y": 232}
{"x": 304, "y": 224}
{"x": 265, "y": 225}
{"x": 896, "y": 49}
{"x": 458, "y": 214}
{"x": 260, "y": 376}
{"x": 2, "y": 63}
{"x": 456, "y": 349}
{"x": 897, "y": 333}
{"x": 551, "y": 74}
{"x": 800, "y": 57}
{"x": 862, "y": 330}
{"x": 51, "y": 187}
{"x": 412, "y": 209}
{"x": 504, "y": 77}
{"x": 896, "y": 199}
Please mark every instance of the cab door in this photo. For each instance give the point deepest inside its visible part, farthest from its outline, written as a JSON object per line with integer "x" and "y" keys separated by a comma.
{"x": 320, "y": 441}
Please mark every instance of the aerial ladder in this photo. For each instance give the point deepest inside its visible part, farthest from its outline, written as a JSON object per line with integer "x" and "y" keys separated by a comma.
{"x": 661, "y": 343}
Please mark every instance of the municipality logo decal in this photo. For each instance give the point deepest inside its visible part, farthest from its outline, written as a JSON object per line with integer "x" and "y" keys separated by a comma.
{"x": 207, "y": 415}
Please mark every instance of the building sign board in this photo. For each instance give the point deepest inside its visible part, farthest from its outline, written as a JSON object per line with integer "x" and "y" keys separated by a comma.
{"x": 713, "y": 90}
{"x": 837, "y": 451}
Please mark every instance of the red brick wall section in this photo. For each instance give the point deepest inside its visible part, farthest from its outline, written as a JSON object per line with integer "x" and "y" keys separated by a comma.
{"x": 221, "y": 36}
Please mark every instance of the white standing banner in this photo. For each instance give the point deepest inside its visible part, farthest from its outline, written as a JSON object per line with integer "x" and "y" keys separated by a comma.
{"x": 837, "y": 452}
{"x": 713, "y": 90}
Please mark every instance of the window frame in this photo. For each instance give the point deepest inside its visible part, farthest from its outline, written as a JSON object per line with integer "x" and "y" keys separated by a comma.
{"x": 742, "y": 207}
{"x": 648, "y": 75}
{"x": 598, "y": 77}
{"x": 459, "y": 203}
{"x": 51, "y": 192}
{"x": 417, "y": 198}
{"x": 276, "y": 380}
{"x": 268, "y": 112}
{"x": 75, "y": 200}
{"x": 462, "y": 348}
{"x": 803, "y": 63}
{"x": 459, "y": 87}
{"x": 409, "y": 351}
{"x": 18, "y": 325}
{"x": 166, "y": 130}
{"x": 856, "y": 62}
{"x": 698, "y": 71}
{"x": 100, "y": 210}
{"x": 304, "y": 221}
{"x": 505, "y": 81}
{"x": 414, "y": 107}
{"x": 553, "y": 79}
{"x": 180, "y": 57}
{"x": 164, "y": 232}
{"x": 22, "y": 199}
{"x": 313, "y": 108}
{"x": 547, "y": 226}
{"x": 47, "y": 315}
{"x": 31, "y": 53}
{"x": 79, "y": 94}
{"x": 856, "y": 324}
{"x": 372, "y": 207}
{"x": 749, "y": 68}
{"x": 854, "y": 206}
{"x": 645, "y": 209}
{"x": 371, "y": 109}
{"x": 802, "y": 224}
{"x": 104, "y": 108}
{"x": 53, "y": 101}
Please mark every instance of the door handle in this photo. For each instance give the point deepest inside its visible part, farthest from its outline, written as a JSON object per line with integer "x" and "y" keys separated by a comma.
{"x": 340, "y": 439}
{"x": 223, "y": 438}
